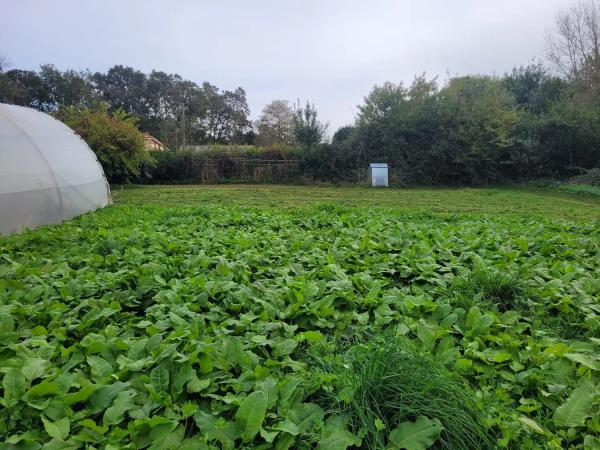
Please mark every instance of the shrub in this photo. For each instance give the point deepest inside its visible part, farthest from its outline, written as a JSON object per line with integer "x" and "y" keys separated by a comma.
{"x": 591, "y": 177}
{"x": 114, "y": 138}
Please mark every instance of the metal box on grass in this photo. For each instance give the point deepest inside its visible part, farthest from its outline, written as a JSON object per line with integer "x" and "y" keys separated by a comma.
{"x": 378, "y": 174}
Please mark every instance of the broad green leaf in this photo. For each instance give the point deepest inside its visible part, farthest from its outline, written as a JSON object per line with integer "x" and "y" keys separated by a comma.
{"x": 591, "y": 443}
{"x": 587, "y": 360}
{"x": 99, "y": 367}
{"x": 185, "y": 374}
{"x": 417, "y": 435}
{"x": 531, "y": 424}
{"x": 234, "y": 352}
{"x": 89, "y": 423}
{"x": 34, "y": 368}
{"x": 306, "y": 416}
{"x": 197, "y": 384}
{"x": 576, "y": 409}
{"x": 13, "y": 383}
{"x": 122, "y": 403}
{"x": 500, "y": 357}
{"x": 224, "y": 431}
{"x": 473, "y": 315}
{"x": 269, "y": 387}
{"x": 285, "y": 347}
{"x": 313, "y": 336}
{"x": 251, "y": 414}
{"x": 58, "y": 429}
{"x": 482, "y": 323}
{"x": 103, "y": 396}
{"x": 83, "y": 394}
{"x": 160, "y": 379}
{"x": 287, "y": 389}
{"x": 194, "y": 443}
{"x": 287, "y": 426}
{"x": 7, "y": 323}
{"x": 339, "y": 439}
{"x": 268, "y": 436}
{"x": 44, "y": 388}
{"x": 166, "y": 437}
{"x": 284, "y": 442}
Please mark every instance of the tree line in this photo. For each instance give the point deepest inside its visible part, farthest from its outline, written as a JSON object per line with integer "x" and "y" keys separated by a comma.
{"x": 472, "y": 130}
{"x": 537, "y": 121}
{"x": 175, "y": 110}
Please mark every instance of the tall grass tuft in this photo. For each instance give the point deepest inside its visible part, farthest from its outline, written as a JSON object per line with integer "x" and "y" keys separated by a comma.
{"x": 486, "y": 284}
{"x": 383, "y": 383}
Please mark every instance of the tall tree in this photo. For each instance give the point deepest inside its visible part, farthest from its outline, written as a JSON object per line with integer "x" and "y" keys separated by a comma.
{"x": 534, "y": 87}
{"x": 24, "y": 88}
{"x": 4, "y": 63}
{"x": 276, "y": 124}
{"x": 226, "y": 120}
{"x": 308, "y": 130}
{"x": 478, "y": 115}
{"x": 574, "y": 44}
{"x": 123, "y": 88}
{"x": 66, "y": 88}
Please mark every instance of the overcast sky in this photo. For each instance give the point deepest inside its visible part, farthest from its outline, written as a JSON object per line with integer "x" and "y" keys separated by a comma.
{"x": 330, "y": 52}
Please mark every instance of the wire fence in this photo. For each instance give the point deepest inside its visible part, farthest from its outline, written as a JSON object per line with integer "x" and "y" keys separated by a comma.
{"x": 202, "y": 168}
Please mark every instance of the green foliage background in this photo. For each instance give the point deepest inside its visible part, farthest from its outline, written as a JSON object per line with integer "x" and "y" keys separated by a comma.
{"x": 469, "y": 130}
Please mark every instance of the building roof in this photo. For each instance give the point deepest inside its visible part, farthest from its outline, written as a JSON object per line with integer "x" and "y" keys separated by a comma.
{"x": 154, "y": 141}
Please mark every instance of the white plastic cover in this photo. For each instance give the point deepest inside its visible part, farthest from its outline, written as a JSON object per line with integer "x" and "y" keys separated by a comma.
{"x": 47, "y": 172}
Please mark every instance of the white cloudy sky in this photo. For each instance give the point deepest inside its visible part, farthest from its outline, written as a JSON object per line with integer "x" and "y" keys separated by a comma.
{"x": 330, "y": 52}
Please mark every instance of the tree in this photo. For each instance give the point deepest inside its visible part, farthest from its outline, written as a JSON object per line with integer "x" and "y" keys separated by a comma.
{"x": 4, "y": 63}
{"x": 574, "y": 46}
{"x": 123, "y": 88}
{"x": 308, "y": 131}
{"x": 163, "y": 118}
{"x": 478, "y": 115}
{"x": 453, "y": 135}
{"x": 343, "y": 134}
{"x": 226, "y": 119}
{"x": 276, "y": 124}
{"x": 535, "y": 89}
{"x": 47, "y": 89}
{"x": 399, "y": 125}
{"x": 69, "y": 88}
{"x": 24, "y": 88}
{"x": 113, "y": 137}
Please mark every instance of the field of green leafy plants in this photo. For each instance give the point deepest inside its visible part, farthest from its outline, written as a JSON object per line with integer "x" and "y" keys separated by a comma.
{"x": 214, "y": 325}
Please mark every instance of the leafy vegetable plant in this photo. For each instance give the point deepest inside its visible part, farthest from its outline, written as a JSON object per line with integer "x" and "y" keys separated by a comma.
{"x": 152, "y": 327}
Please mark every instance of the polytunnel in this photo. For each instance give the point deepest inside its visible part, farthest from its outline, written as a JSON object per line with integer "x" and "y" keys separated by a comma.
{"x": 47, "y": 172}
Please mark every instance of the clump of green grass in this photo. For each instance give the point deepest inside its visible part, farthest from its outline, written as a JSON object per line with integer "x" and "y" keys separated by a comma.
{"x": 382, "y": 384}
{"x": 488, "y": 285}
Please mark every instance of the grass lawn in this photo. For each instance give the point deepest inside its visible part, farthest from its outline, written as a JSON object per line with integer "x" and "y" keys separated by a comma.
{"x": 293, "y": 317}
{"x": 530, "y": 201}
{"x": 582, "y": 189}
